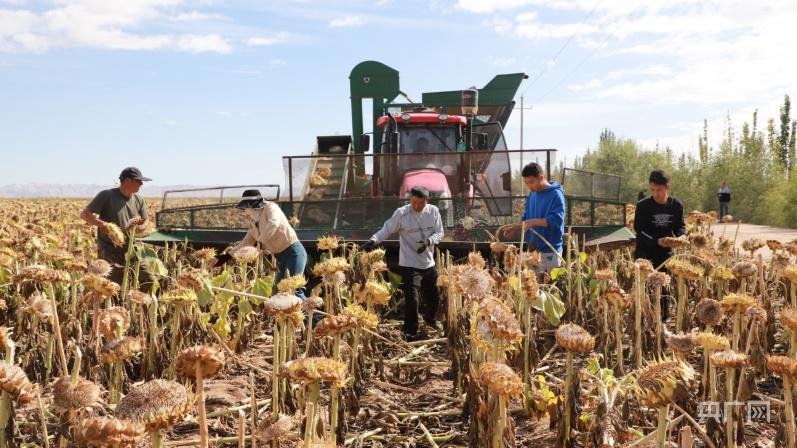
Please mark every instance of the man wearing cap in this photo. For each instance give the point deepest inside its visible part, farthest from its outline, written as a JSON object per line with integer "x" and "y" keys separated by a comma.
{"x": 420, "y": 228}
{"x": 270, "y": 230}
{"x": 117, "y": 205}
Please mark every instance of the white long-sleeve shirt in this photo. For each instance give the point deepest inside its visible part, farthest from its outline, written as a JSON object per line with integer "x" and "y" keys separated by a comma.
{"x": 413, "y": 228}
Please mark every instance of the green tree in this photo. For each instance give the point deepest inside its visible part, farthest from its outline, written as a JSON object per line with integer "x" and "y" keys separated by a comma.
{"x": 783, "y": 141}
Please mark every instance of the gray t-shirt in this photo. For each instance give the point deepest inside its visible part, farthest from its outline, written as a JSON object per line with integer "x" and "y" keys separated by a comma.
{"x": 113, "y": 206}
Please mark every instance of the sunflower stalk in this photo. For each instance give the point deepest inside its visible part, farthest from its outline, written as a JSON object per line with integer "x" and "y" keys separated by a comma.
{"x": 681, "y": 306}
{"x": 788, "y": 395}
{"x": 661, "y": 430}
{"x": 312, "y": 404}
{"x": 638, "y": 285}
{"x": 57, "y": 329}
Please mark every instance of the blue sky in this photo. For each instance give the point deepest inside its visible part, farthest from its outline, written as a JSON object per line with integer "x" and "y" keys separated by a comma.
{"x": 216, "y": 92}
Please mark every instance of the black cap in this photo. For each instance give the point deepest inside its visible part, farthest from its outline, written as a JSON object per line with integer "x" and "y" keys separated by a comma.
{"x": 251, "y": 199}
{"x": 133, "y": 173}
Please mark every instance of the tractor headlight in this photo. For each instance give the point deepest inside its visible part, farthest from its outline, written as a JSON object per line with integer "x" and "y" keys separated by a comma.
{"x": 442, "y": 117}
{"x": 405, "y": 117}
{"x": 445, "y": 200}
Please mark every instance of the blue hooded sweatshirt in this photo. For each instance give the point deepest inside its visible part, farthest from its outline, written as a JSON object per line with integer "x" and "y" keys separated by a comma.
{"x": 548, "y": 204}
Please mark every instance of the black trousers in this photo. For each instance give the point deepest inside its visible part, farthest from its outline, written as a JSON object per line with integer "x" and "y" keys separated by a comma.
{"x": 419, "y": 284}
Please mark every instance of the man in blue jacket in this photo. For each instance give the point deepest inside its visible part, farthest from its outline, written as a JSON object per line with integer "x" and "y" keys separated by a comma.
{"x": 545, "y": 213}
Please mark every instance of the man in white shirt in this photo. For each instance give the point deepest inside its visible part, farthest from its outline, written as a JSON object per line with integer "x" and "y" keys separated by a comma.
{"x": 420, "y": 228}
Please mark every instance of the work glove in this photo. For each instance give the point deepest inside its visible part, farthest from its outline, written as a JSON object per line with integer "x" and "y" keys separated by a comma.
{"x": 424, "y": 245}
{"x": 368, "y": 245}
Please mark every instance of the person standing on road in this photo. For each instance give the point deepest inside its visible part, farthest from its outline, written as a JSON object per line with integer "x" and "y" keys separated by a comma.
{"x": 119, "y": 206}
{"x": 271, "y": 231}
{"x": 724, "y": 197}
{"x": 420, "y": 228}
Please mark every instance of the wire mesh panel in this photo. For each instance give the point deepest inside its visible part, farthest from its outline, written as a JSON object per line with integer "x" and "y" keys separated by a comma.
{"x": 587, "y": 184}
{"x": 194, "y": 197}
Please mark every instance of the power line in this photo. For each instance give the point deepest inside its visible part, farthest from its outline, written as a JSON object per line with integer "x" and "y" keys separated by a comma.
{"x": 561, "y": 49}
{"x": 589, "y": 56}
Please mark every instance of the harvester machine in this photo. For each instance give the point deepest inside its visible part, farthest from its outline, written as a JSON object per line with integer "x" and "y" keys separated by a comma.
{"x": 451, "y": 142}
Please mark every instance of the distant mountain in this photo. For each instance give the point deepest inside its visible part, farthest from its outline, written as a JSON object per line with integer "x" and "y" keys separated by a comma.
{"x": 42, "y": 190}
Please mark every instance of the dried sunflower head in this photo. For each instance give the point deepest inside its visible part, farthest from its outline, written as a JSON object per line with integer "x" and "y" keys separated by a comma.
{"x": 783, "y": 366}
{"x": 282, "y": 304}
{"x": 500, "y": 379}
{"x": 112, "y": 321}
{"x": 712, "y": 341}
{"x": 281, "y": 429}
{"x": 673, "y": 242}
{"x": 291, "y": 284}
{"x": 364, "y": 319}
{"x": 205, "y": 359}
{"x": 685, "y": 269}
{"x": 378, "y": 291}
{"x": 205, "y": 254}
{"x": 158, "y": 404}
{"x": 40, "y": 306}
{"x": 475, "y": 282}
{"x": 531, "y": 287}
{"x": 727, "y": 218}
{"x": 83, "y": 395}
{"x": 140, "y": 298}
{"x": 476, "y": 260}
{"x": 115, "y": 234}
{"x": 729, "y": 359}
{"x": 245, "y": 255}
{"x": 99, "y": 267}
{"x": 681, "y": 342}
{"x": 317, "y": 369}
{"x": 100, "y": 285}
{"x": 721, "y": 273}
{"x": 645, "y": 267}
{"x": 774, "y": 245}
{"x": 790, "y": 273}
{"x": 107, "y": 432}
{"x": 179, "y": 296}
{"x": 312, "y": 303}
{"x": 698, "y": 240}
{"x": 14, "y": 381}
{"x": 120, "y": 350}
{"x": 191, "y": 278}
{"x": 42, "y": 274}
{"x": 494, "y": 326}
{"x": 664, "y": 382}
{"x": 744, "y": 269}
{"x": 329, "y": 242}
{"x": 788, "y": 317}
{"x": 334, "y": 324}
{"x": 708, "y": 312}
{"x": 604, "y": 274}
{"x": 574, "y": 338}
{"x": 732, "y": 303}
{"x": 753, "y": 244}
{"x": 331, "y": 265}
{"x": 497, "y": 247}
{"x": 615, "y": 295}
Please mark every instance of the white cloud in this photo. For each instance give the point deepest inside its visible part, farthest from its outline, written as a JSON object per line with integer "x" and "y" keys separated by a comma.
{"x": 346, "y": 22}
{"x": 259, "y": 41}
{"x": 196, "y": 16}
{"x": 653, "y": 70}
{"x": 212, "y": 43}
{"x": 277, "y": 61}
{"x": 107, "y": 24}
{"x": 485, "y": 6}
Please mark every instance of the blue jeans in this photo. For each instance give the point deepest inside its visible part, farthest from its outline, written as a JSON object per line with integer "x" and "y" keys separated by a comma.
{"x": 723, "y": 209}
{"x": 291, "y": 261}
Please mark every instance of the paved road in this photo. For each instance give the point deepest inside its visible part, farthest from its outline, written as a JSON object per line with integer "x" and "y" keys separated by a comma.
{"x": 747, "y": 231}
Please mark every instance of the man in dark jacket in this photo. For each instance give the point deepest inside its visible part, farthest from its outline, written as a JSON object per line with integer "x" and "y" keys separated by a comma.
{"x": 657, "y": 216}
